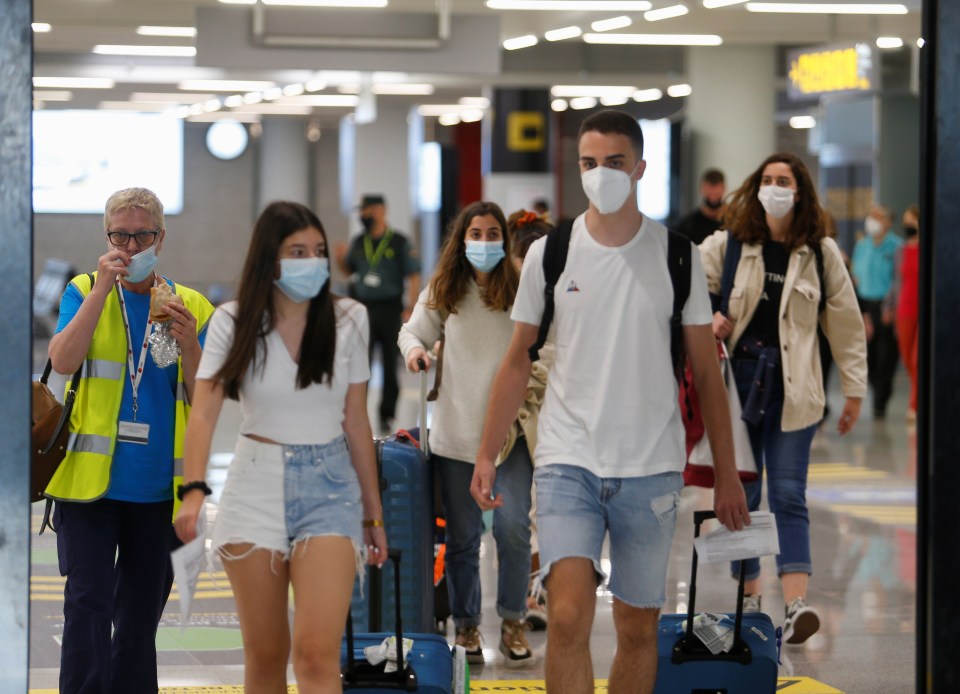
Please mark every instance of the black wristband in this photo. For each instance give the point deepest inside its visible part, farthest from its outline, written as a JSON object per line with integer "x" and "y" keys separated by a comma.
{"x": 190, "y": 486}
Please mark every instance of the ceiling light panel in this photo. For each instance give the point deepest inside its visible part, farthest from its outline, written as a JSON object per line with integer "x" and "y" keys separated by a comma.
{"x": 185, "y": 32}
{"x": 679, "y": 90}
{"x": 74, "y": 82}
{"x": 825, "y": 8}
{"x": 520, "y": 42}
{"x": 647, "y": 95}
{"x": 713, "y": 4}
{"x": 571, "y": 5}
{"x": 889, "y": 42}
{"x": 327, "y": 3}
{"x": 565, "y": 90}
{"x": 665, "y": 13}
{"x": 612, "y": 24}
{"x": 655, "y": 39}
{"x": 158, "y": 51}
{"x": 224, "y": 85}
{"x": 169, "y": 97}
{"x": 40, "y": 27}
{"x": 563, "y": 34}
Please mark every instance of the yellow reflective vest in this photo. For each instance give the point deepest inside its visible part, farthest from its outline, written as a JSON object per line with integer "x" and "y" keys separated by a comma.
{"x": 84, "y": 474}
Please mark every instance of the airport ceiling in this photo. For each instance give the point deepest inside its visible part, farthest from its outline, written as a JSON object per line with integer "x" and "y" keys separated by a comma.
{"x": 324, "y": 61}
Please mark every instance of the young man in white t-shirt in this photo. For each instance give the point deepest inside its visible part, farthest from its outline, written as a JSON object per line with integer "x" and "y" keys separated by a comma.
{"x": 610, "y": 449}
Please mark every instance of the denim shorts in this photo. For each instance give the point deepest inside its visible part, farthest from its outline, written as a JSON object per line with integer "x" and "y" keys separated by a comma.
{"x": 278, "y": 496}
{"x": 576, "y": 509}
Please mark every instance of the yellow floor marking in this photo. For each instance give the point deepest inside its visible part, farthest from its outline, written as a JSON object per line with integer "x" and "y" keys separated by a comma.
{"x": 788, "y": 685}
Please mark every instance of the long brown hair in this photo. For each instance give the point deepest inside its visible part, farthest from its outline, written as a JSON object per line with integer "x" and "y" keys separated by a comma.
{"x": 256, "y": 312}
{"x": 453, "y": 275}
{"x": 747, "y": 221}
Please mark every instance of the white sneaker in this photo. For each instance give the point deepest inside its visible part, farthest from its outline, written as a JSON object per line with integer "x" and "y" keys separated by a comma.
{"x": 751, "y": 603}
{"x": 801, "y": 623}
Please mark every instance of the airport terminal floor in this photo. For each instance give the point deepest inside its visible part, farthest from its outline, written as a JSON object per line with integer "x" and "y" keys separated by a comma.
{"x": 862, "y": 497}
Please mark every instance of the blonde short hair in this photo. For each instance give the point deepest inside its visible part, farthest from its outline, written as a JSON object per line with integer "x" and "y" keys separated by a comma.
{"x": 134, "y": 198}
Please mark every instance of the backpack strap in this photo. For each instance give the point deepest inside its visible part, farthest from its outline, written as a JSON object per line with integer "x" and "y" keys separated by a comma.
{"x": 818, "y": 256}
{"x": 731, "y": 259}
{"x": 679, "y": 254}
{"x": 554, "y": 260}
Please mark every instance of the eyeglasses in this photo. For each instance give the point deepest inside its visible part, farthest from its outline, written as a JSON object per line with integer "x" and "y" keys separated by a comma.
{"x": 145, "y": 238}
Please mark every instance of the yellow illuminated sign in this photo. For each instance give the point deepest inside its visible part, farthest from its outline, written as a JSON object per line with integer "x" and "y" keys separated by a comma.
{"x": 526, "y": 131}
{"x": 830, "y": 70}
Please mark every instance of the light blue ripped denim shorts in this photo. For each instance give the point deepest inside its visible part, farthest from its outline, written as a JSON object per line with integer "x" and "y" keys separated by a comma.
{"x": 278, "y": 496}
{"x": 576, "y": 509}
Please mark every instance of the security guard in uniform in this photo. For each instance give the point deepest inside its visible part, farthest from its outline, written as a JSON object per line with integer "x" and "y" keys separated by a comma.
{"x": 379, "y": 261}
{"x": 115, "y": 489}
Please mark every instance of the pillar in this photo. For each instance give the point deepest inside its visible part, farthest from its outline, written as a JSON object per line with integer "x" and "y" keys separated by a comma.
{"x": 283, "y": 168}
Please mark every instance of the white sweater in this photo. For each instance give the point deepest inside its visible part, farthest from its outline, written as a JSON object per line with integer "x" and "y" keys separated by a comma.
{"x": 476, "y": 341}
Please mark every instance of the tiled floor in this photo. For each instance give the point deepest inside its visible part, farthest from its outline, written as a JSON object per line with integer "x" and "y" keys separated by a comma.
{"x": 863, "y": 511}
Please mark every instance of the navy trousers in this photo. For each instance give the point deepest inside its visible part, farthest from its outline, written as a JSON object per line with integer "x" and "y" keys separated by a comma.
{"x": 115, "y": 556}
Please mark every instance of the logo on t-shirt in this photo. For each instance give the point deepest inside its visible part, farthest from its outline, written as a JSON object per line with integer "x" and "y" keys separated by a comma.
{"x": 572, "y": 287}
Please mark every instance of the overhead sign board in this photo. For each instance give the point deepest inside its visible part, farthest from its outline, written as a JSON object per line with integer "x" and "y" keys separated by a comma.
{"x": 839, "y": 69}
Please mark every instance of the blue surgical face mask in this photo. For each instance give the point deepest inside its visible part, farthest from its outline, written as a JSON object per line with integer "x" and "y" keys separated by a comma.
{"x": 484, "y": 255}
{"x": 141, "y": 265}
{"x": 301, "y": 279}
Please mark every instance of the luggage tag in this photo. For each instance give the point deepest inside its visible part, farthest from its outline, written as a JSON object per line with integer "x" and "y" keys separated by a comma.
{"x": 134, "y": 432}
{"x": 372, "y": 279}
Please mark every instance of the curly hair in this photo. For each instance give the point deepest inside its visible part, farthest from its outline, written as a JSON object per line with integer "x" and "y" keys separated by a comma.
{"x": 524, "y": 228}
{"x": 745, "y": 217}
{"x": 451, "y": 280}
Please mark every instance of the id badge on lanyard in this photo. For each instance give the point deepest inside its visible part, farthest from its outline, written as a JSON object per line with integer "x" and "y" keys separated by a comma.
{"x": 134, "y": 431}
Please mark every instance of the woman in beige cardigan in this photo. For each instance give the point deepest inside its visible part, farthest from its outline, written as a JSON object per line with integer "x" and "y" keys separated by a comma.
{"x": 770, "y": 328}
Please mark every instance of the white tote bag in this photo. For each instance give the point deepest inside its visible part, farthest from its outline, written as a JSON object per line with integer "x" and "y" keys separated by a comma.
{"x": 699, "y": 470}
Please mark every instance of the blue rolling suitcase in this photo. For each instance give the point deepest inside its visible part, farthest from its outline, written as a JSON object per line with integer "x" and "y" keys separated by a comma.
{"x": 406, "y": 493}
{"x": 686, "y": 666}
{"x": 431, "y": 663}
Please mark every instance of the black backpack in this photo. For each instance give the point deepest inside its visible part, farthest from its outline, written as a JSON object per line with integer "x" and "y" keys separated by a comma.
{"x": 678, "y": 263}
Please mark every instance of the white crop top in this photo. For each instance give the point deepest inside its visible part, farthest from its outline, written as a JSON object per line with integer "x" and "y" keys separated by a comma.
{"x": 271, "y": 404}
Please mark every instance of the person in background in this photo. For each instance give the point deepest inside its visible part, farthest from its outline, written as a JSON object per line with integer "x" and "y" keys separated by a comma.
{"x": 114, "y": 490}
{"x": 771, "y": 334}
{"x": 380, "y": 261}
{"x": 542, "y": 209}
{"x": 467, "y": 304}
{"x": 874, "y": 268}
{"x": 301, "y": 500}
{"x": 906, "y": 300}
{"x": 524, "y": 228}
{"x": 610, "y": 445}
{"x": 706, "y": 219}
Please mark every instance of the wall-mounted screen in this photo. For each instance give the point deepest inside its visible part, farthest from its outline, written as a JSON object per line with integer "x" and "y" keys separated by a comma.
{"x": 653, "y": 191}
{"x": 81, "y": 157}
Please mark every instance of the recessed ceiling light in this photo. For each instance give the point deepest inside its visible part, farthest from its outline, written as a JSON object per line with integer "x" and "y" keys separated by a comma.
{"x": 665, "y": 13}
{"x": 40, "y": 27}
{"x": 327, "y": 3}
{"x": 74, "y": 82}
{"x": 679, "y": 90}
{"x": 713, "y": 4}
{"x": 825, "y": 8}
{"x": 611, "y": 24}
{"x": 647, "y": 95}
{"x": 520, "y": 42}
{"x": 802, "y": 122}
{"x": 159, "y": 51}
{"x": 559, "y": 105}
{"x": 449, "y": 119}
{"x": 563, "y": 34}
{"x": 185, "y": 32}
{"x": 295, "y": 89}
{"x": 409, "y": 89}
{"x": 655, "y": 39}
{"x": 889, "y": 42}
{"x": 582, "y": 102}
{"x": 590, "y": 90}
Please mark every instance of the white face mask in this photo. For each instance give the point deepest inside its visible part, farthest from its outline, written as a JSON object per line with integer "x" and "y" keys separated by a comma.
{"x": 873, "y": 226}
{"x": 606, "y": 188}
{"x": 776, "y": 201}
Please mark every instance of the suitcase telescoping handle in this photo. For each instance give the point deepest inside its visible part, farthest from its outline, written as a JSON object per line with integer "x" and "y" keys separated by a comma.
{"x": 686, "y": 647}
{"x": 424, "y": 435}
{"x": 362, "y": 675}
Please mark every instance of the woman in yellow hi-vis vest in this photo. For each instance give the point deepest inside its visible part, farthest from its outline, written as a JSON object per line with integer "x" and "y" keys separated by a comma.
{"x": 114, "y": 490}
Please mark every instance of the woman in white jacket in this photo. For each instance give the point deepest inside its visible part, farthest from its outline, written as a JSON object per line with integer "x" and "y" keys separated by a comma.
{"x": 771, "y": 332}
{"x": 467, "y": 304}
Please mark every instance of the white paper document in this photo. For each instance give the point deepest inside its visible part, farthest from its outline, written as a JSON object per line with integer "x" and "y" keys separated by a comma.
{"x": 757, "y": 540}
{"x": 188, "y": 562}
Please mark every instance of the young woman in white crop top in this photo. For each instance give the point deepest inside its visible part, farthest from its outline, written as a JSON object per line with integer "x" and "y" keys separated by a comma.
{"x": 300, "y": 506}
{"x": 468, "y": 303}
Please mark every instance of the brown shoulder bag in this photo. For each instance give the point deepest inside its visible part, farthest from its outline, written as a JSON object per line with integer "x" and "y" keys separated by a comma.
{"x": 50, "y": 431}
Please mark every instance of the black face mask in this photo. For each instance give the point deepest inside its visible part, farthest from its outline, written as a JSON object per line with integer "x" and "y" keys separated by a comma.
{"x": 367, "y": 222}
{"x": 910, "y": 231}
{"x": 713, "y": 205}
